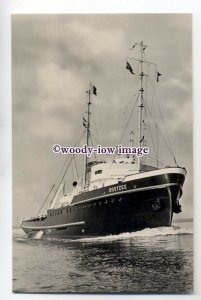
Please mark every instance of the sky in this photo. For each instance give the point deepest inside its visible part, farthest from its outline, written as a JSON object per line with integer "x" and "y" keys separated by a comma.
{"x": 55, "y": 57}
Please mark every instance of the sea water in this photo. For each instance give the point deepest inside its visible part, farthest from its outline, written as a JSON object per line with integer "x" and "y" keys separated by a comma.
{"x": 158, "y": 260}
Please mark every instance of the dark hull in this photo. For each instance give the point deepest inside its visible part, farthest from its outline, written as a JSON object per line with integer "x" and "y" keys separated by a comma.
{"x": 150, "y": 205}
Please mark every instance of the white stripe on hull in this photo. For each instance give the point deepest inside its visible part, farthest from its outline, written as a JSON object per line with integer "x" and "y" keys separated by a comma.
{"x": 53, "y": 226}
{"x": 128, "y": 191}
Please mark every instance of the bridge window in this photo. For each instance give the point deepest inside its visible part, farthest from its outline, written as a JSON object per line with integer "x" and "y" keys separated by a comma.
{"x": 98, "y": 172}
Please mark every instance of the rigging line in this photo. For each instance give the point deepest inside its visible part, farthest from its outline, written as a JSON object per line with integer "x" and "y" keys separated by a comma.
{"x": 63, "y": 167}
{"x": 67, "y": 166}
{"x": 45, "y": 199}
{"x": 58, "y": 178}
{"x": 94, "y": 138}
{"x": 155, "y": 70}
{"x": 163, "y": 121}
{"x": 120, "y": 120}
{"x": 66, "y": 161}
{"x": 71, "y": 158}
{"x": 128, "y": 121}
{"x": 161, "y": 133}
{"x": 72, "y": 171}
{"x": 153, "y": 84}
{"x": 150, "y": 130}
{"x": 170, "y": 149}
{"x": 55, "y": 184}
{"x": 125, "y": 130}
{"x": 93, "y": 146}
{"x": 148, "y": 76}
{"x": 168, "y": 139}
{"x": 100, "y": 118}
{"x": 167, "y": 146}
{"x": 146, "y": 87}
{"x": 76, "y": 171}
{"x": 118, "y": 125}
{"x": 95, "y": 126}
{"x": 63, "y": 176}
{"x": 118, "y": 111}
{"x": 153, "y": 158}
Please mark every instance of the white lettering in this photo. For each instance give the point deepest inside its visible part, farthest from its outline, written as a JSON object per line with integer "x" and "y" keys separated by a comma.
{"x": 117, "y": 188}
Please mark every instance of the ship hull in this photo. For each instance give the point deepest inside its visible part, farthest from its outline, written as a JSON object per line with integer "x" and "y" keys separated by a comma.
{"x": 133, "y": 205}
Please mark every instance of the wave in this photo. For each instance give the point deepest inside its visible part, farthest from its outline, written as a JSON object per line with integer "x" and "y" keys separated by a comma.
{"x": 148, "y": 232}
{"x": 36, "y": 235}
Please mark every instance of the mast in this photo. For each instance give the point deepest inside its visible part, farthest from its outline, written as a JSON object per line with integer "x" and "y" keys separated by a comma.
{"x": 141, "y": 104}
{"x": 85, "y": 181}
{"x": 141, "y": 122}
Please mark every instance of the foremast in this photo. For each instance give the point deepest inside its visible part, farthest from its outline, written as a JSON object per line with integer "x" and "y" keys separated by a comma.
{"x": 85, "y": 180}
{"x": 92, "y": 91}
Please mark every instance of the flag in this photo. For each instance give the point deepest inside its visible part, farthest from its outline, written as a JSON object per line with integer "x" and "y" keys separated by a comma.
{"x": 158, "y": 75}
{"x": 128, "y": 67}
{"x": 84, "y": 122}
{"x": 94, "y": 90}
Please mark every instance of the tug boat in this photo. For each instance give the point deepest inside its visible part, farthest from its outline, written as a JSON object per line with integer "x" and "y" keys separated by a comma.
{"x": 121, "y": 194}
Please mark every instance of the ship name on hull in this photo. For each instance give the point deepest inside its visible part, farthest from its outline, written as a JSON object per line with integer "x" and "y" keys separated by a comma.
{"x": 118, "y": 188}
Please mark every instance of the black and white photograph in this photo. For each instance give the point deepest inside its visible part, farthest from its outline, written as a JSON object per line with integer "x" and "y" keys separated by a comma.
{"x": 102, "y": 153}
